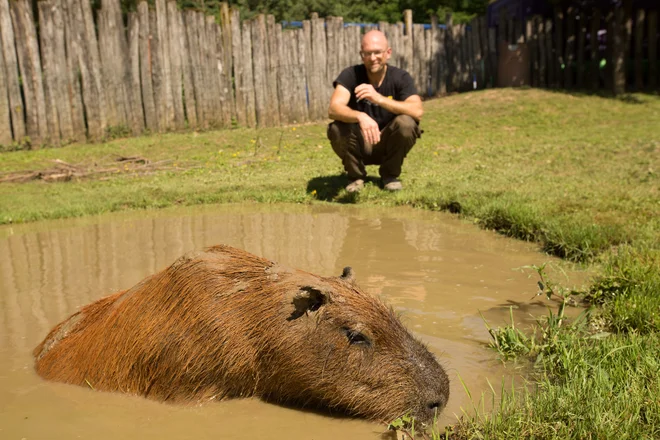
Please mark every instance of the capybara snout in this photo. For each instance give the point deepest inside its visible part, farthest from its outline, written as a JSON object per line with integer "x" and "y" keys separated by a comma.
{"x": 224, "y": 323}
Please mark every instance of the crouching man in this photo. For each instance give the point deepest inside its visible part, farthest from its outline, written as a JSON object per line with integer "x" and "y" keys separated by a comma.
{"x": 376, "y": 112}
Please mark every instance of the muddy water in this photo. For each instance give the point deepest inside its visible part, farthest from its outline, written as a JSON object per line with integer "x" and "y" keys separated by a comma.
{"x": 437, "y": 271}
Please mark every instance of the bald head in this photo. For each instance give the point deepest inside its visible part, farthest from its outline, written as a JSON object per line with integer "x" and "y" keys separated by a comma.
{"x": 374, "y": 37}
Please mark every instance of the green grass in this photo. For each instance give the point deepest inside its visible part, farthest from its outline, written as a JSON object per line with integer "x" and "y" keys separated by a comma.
{"x": 580, "y": 175}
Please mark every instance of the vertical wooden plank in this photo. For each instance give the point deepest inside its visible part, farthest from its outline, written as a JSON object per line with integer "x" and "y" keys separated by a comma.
{"x": 609, "y": 51}
{"x": 532, "y": 42}
{"x": 654, "y": 81}
{"x": 434, "y": 56}
{"x": 341, "y": 37}
{"x": 492, "y": 54}
{"x": 310, "y": 92}
{"x": 408, "y": 54}
{"x": 458, "y": 57}
{"x": 49, "y": 68}
{"x": 594, "y": 70}
{"x": 618, "y": 54}
{"x": 542, "y": 55}
{"x": 157, "y": 71}
{"x": 449, "y": 49}
{"x": 135, "y": 90}
{"x": 237, "y": 60}
{"x": 64, "y": 103}
{"x": 569, "y": 57}
{"x": 301, "y": 74}
{"x": 279, "y": 52}
{"x": 5, "y": 117}
{"x": 418, "y": 58}
{"x": 298, "y": 41}
{"x": 8, "y": 49}
{"x": 107, "y": 65}
{"x": 259, "y": 56}
{"x": 164, "y": 58}
{"x": 186, "y": 58}
{"x": 218, "y": 103}
{"x": 550, "y": 54}
{"x": 639, "y": 49}
{"x": 426, "y": 67}
{"x": 467, "y": 57}
{"x": 559, "y": 46}
{"x": 29, "y": 63}
{"x": 580, "y": 68}
{"x": 284, "y": 79}
{"x": 175, "y": 54}
{"x": 148, "y": 101}
{"x": 272, "y": 28}
{"x": 225, "y": 24}
{"x": 479, "y": 71}
{"x": 96, "y": 119}
{"x": 248, "y": 78}
{"x": 208, "y": 95}
{"x": 195, "y": 71}
{"x": 331, "y": 56}
{"x": 319, "y": 66}
{"x": 442, "y": 64}
{"x": 224, "y": 78}
{"x": 400, "y": 45}
{"x": 73, "y": 83}
{"x": 483, "y": 44}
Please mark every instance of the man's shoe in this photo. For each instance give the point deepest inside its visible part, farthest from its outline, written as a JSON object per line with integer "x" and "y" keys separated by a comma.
{"x": 392, "y": 184}
{"x": 355, "y": 186}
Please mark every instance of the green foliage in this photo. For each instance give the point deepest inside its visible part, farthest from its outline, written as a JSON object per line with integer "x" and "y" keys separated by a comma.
{"x": 360, "y": 12}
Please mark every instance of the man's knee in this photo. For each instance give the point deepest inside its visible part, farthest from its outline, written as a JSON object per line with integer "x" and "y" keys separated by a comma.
{"x": 405, "y": 125}
{"x": 340, "y": 130}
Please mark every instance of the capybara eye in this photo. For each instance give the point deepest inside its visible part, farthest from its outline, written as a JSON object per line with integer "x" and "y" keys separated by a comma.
{"x": 355, "y": 337}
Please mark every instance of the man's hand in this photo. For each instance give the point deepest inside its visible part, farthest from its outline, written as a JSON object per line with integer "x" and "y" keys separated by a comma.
{"x": 367, "y": 91}
{"x": 369, "y": 128}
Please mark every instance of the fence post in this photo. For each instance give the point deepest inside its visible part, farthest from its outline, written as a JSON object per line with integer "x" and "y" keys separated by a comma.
{"x": 653, "y": 50}
{"x": 16, "y": 106}
{"x": 618, "y": 54}
{"x": 408, "y": 63}
{"x": 594, "y": 71}
{"x": 582, "y": 31}
{"x": 29, "y": 63}
{"x": 639, "y": 53}
{"x": 570, "y": 48}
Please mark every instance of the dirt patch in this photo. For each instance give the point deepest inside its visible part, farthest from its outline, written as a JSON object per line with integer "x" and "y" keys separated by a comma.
{"x": 63, "y": 171}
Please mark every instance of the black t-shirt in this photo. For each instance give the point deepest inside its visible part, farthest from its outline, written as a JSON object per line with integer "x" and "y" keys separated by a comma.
{"x": 397, "y": 85}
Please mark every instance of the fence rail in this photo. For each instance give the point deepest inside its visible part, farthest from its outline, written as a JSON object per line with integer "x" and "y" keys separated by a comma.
{"x": 69, "y": 74}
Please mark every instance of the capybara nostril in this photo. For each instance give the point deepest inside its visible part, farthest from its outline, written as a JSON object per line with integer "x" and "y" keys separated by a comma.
{"x": 224, "y": 323}
{"x": 434, "y": 405}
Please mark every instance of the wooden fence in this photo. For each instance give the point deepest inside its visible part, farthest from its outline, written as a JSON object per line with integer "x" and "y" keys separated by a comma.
{"x": 70, "y": 74}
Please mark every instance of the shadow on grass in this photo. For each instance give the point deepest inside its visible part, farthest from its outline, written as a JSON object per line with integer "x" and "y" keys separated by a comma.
{"x": 331, "y": 188}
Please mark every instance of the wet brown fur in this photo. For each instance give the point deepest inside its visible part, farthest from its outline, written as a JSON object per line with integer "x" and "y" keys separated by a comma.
{"x": 224, "y": 323}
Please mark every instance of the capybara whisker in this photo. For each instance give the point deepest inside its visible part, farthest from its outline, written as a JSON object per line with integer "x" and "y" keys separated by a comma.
{"x": 224, "y": 324}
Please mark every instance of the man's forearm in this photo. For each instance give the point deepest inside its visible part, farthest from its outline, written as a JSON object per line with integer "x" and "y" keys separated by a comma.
{"x": 413, "y": 109}
{"x": 343, "y": 114}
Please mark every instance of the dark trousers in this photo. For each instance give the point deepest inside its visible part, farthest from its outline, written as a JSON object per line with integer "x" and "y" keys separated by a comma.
{"x": 396, "y": 140}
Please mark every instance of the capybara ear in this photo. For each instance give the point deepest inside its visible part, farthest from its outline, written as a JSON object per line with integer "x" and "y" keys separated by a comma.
{"x": 347, "y": 274}
{"x": 308, "y": 299}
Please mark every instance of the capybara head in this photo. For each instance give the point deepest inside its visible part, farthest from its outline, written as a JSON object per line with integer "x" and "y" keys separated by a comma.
{"x": 224, "y": 323}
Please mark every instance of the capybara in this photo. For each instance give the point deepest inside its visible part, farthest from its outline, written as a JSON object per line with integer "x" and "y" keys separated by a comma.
{"x": 224, "y": 324}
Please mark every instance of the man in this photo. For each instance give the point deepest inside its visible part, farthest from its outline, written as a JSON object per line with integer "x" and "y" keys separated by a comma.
{"x": 376, "y": 112}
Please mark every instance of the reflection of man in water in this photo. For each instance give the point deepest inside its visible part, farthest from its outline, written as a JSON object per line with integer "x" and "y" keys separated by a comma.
{"x": 376, "y": 112}
{"x": 383, "y": 257}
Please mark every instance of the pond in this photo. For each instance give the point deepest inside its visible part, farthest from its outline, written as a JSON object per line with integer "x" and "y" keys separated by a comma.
{"x": 437, "y": 271}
